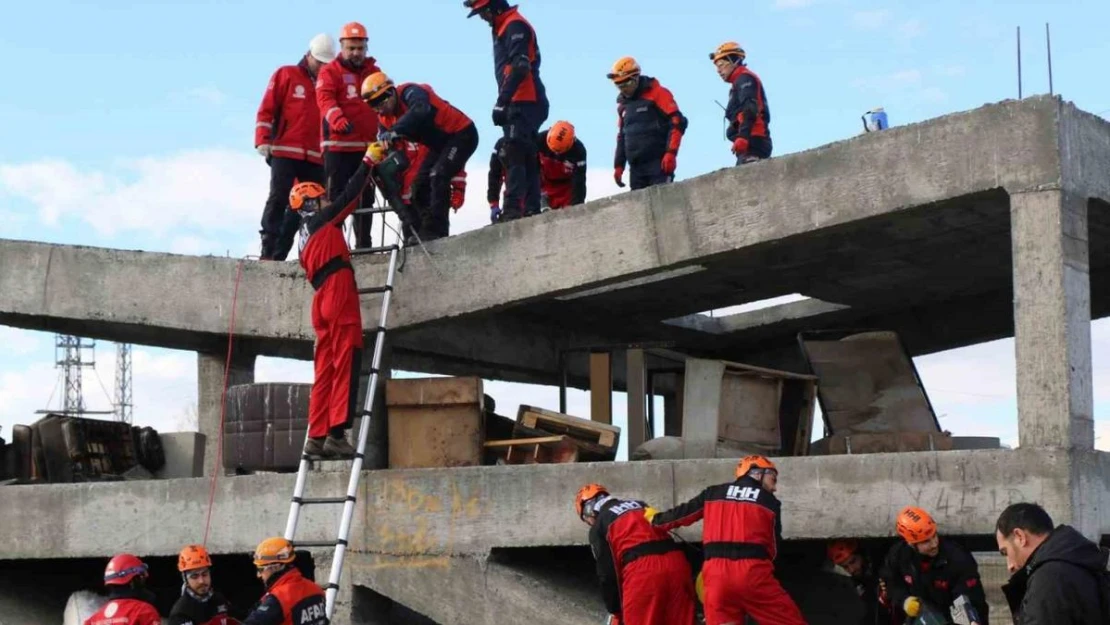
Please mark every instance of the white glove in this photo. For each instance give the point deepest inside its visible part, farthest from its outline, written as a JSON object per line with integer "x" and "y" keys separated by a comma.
{"x": 264, "y": 150}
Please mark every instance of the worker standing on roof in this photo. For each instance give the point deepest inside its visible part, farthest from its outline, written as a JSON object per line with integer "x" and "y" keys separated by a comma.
{"x": 336, "y": 311}
{"x": 415, "y": 112}
{"x": 848, "y": 555}
{"x": 348, "y": 124}
{"x": 199, "y": 604}
{"x": 741, "y": 533}
{"x": 645, "y": 577}
{"x": 928, "y": 572}
{"x": 747, "y": 113}
{"x": 129, "y": 601}
{"x": 562, "y": 169}
{"x": 287, "y": 135}
{"x": 522, "y": 105}
{"x": 649, "y": 127}
{"x": 290, "y": 599}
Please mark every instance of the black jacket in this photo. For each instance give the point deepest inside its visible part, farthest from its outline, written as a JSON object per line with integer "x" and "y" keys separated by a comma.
{"x": 189, "y": 610}
{"x": 937, "y": 581}
{"x": 1060, "y": 584}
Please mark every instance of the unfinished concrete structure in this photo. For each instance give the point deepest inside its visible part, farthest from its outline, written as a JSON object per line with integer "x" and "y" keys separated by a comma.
{"x": 953, "y": 231}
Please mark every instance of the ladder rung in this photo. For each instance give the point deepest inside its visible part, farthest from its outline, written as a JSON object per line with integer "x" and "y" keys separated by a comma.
{"x": 308, "y": 501}
{"x": 374, "y": 211}
{"x": 318, "y": 543}
{"x": 329, "y": 586}
{"x": 370, "y": 290}
{"x": 373, "y": 250}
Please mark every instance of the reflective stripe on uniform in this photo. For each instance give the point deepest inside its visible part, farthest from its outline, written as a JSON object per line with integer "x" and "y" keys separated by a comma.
{"x": 345, "y": 144}
{"x": 263, "y": 125}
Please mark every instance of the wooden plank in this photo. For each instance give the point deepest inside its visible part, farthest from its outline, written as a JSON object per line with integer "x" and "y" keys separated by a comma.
{"x": 601, "y": 387}
{"x": 739, "y": 367}
{"x": 590, "y": 431}
{"x": 637, "y": 397}
{"x": 588, "y": 452}
{"x": 540, "y": 450}
{"x": 509, "y": 442}
{"x": 444, "y": 391}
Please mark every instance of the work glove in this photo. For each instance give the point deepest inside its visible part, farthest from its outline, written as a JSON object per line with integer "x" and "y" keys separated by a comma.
{"x": 911, "y": 606}
{"x": 264, "y": 150}
{"x": 618, "y": 173}
{"x": 458, "y": 191}
{"x": 649, "y": 513}
{"x": 500, "y": 115}
{"x": 341, "y": 126}
{"x": 670, "y": 162}
{"x": 494, "y": 213}
{"x": 387, "y": 137}
{"x": 740, "y": 146}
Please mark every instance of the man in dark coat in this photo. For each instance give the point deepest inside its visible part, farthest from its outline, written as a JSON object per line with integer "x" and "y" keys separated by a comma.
{"x": 1057, "y": 575}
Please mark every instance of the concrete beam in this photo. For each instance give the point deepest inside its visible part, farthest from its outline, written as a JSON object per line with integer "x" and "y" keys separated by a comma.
{"x": 462, "y": 511}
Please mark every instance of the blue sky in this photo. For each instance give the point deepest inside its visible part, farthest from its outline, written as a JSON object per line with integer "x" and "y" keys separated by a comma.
{"x": 131, "y": 124}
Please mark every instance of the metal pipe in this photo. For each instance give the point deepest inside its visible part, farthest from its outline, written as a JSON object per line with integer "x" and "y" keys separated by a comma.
{"x": 1048, "y": 45}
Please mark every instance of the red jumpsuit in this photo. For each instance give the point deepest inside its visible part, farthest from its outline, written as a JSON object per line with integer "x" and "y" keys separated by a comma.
{"x": 740, "y": 537}
{"x": 336, "y": 313}
{"x": 645, "y": 577}
{"x": 125, "y": 610}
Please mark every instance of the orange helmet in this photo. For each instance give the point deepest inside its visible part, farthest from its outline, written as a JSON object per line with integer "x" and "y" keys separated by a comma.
{"x": 306, "y": 196}
{"x": 586, "y": 493}
{"x": 560, "y": 137}
{"x": 353, "y": 30}
{"x": 727, "y": 49}
{"x": 840, "y": 550}
{"x": 749, "y": 463}
{"x": 193, "y": 557}
{"x": 624, "y": 69}
{"x": 915, "y": 525}
{"x": 276, "y": 550}
{"x": 375, "y": 86}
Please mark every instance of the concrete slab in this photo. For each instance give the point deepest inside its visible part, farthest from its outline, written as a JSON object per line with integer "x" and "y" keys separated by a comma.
{"x": 890, "y": 224}
{"x": 469, "y": 511}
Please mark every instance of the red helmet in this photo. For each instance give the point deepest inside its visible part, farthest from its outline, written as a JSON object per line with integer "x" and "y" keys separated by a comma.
{"x": 122, "y": 569}
{"x": 840, "y": 550}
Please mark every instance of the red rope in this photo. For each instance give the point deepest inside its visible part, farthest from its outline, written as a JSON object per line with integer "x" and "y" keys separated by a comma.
{"x": 223, "y": 404}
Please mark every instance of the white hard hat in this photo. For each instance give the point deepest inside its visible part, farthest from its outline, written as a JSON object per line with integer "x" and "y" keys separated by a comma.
{"x": 322, "y": 48}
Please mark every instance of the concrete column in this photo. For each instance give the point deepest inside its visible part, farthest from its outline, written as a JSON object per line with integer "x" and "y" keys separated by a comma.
{"x": 702, "y": 407}
{"x": 637, "y": 398}
{"x": 1052, "y": 319}
{"x": 377, "y": 441}
{"x": 210, "y": 387}
{"x": 672, "y": 407}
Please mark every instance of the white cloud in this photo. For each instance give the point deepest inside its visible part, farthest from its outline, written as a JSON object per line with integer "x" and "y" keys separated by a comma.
{"x": 207, "y": 94}
{"x": 871, "y": 20}
{"x": 213, "y": 190}
{"x": 910, "y": 29}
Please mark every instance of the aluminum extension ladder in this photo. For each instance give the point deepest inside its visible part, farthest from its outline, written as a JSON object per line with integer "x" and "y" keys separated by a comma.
{"x": 348, "y": 501}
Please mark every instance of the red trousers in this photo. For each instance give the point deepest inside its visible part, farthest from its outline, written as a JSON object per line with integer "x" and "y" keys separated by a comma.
{"x": 735, "y": 589}
{"x": 658, "y": 590}
{"x": 337, "y": 319}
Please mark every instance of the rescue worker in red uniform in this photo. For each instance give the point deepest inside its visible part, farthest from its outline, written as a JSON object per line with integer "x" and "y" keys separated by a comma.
{"x": 740, "y": 536}
{"x": 929, "y": 572}
{"x": 645, "y": 577}
{"x": 649, "y": 127}
{"x": 848, "y": 555}
{"x": 336, "y": 314}
{"x": 287, "y": 135}
{"x": 290, "y": 599}
{"x": 522, "y": 105}
{"x": 562, "y": 170}
{"x": 199, "y": 604}
{"x": 129, "y": 602}
{"x": 747, "y": 114}
{"x": 415, "y": 112}
{"x": 348, "y": 125}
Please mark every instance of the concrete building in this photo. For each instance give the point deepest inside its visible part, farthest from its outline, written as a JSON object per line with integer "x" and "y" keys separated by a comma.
{"x": 954, "y": 231}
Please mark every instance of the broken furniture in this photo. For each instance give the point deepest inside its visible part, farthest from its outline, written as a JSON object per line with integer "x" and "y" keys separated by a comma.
{"x": 871, "y": 396}
{"x": 435, "y": 422}
{"x": 543, "y": 436}
{"x": 732, "y": 409}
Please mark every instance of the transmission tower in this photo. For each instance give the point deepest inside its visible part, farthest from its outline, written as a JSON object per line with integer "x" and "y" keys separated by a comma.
{"x": 69, "y": 356}
{"x": 123, "y": 382}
